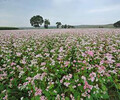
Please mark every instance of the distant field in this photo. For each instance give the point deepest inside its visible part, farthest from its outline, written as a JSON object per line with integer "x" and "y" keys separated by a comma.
{"x": 54, "y": 27}
{"x": 76, "y": 26}
{"x": 95, "y": 26}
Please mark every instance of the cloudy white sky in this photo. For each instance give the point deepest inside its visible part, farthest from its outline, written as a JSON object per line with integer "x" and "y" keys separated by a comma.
{"x": 74, "y": 12}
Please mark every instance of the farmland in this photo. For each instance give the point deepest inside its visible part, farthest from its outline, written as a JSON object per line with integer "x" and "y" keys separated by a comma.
{"x": 60, "y": 64}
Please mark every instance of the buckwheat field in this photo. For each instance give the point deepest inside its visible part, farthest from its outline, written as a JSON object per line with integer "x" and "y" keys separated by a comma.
{"x": 65, "y": 64}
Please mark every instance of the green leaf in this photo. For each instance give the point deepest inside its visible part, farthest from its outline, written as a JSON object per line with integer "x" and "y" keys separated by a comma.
{"x": 66, "y": 98}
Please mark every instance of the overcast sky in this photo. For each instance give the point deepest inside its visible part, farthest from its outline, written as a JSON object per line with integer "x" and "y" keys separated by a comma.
{"x": 74, "y": 12}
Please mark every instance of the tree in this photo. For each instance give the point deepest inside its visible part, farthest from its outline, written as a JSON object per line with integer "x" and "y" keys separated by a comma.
{"x": 117, "y": 24}
{"x": 62, "y": 26}
{"x": 66, "y": 26}
{"x": 69, "y": 26}
{"x": 58, "y": 24}
{"x": 100, "y": 26}
{"x": 46, "y": 23}
{"x": 72, "y": 26}
{"x": 36, "y": 21}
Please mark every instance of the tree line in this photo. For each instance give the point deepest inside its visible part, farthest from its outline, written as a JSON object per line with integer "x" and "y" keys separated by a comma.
{"x": 37, "y": 21}
{"x": 59, "y": 25}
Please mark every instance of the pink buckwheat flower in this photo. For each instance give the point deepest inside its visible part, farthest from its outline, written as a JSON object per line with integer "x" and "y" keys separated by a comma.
{"x": 66, "y": 84}
{"x": 61, "y": 49}
{"x": 18, "y": 54}
{"x": 87, "y": 86}
{"x": 74, "y": 61}
{"x": 38, "y": 92}
{"x": 92, "y": 76}
{"x": 23, "y": 62}
{"x": 43, "y": 98}
{"x": 43, "y": 64}
{"x": 6, "y": 97}
{"x": 67, "y": 63}
{"x": 12, "y": 64}
{"x": 118, "y": 64}
{"x": 79, "y": 84}
{"x": 61, "y": 81}
{"x": 84, "y": 78}
{"x": 90, "y": 53}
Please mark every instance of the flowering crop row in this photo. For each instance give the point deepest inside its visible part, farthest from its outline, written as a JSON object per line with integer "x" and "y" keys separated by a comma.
{"x": 81, "y": 64}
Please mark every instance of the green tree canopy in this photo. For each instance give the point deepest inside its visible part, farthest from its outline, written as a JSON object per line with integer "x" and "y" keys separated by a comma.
{"x": 67, "y": 26}
{"x": 58, "y": 24}
{"x": 36, "y": 21}
{"x": 46, "y": 23}
{"x": 117, "y": 24}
